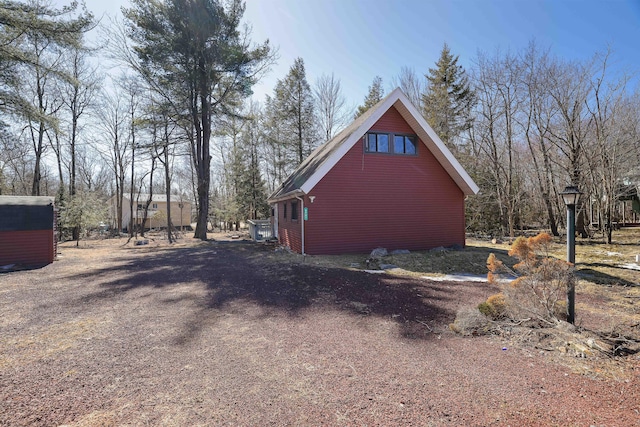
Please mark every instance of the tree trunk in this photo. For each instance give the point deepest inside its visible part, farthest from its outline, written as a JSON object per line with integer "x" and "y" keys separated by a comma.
{"x": 202, "y": 156}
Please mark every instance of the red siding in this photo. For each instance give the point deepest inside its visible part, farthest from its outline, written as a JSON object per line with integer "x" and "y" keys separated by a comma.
{"x": 289, "y": 231}
{"x": 31, "y": 247}
{"x": 382, "y": 200}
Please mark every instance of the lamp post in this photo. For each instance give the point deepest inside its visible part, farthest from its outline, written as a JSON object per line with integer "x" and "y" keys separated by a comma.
{"x": 571, "y": 195}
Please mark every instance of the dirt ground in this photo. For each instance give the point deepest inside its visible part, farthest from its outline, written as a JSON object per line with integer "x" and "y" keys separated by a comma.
{"x": 223, "y": 333}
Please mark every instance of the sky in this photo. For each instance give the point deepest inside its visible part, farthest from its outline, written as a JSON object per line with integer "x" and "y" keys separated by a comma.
{"x": 359, "y": 39}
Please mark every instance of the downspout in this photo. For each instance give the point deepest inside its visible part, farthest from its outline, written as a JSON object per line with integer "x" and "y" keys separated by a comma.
{"x": 302, "y": 220}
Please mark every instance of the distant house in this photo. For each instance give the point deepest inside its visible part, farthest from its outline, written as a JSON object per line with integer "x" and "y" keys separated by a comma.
{"x": 27, "y": 230}
{"x": 156, "y": 214}
{"x": 387, "y": 181}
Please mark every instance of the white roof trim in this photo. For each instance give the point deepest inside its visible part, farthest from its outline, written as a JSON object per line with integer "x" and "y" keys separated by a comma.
{"x": 422, "y": 129}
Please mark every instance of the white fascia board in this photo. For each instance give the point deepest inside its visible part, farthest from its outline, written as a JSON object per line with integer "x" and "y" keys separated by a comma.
{"x": 439, "y": 150}
{"x": 350, "y": 142}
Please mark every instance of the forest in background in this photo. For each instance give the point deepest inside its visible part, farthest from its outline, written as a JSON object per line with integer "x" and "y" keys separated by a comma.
{"x": 176, "y": 117}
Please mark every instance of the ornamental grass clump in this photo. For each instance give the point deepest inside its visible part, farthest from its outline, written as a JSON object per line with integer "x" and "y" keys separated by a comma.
{"x": 537, "y": 295}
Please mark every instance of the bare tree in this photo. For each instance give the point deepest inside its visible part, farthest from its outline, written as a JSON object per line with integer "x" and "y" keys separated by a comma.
{"x": 539, "y": 114}
{"x": 412, "y": 85}
{"x": 569, "y": 89}
{"x": 495, "y": 133}
{"x": 331, "y": 106}
{"x": 612, "y": 146}
{"x": 113, "y": 145}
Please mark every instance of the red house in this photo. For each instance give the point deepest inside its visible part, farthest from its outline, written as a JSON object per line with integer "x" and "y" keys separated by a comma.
{"x": 387, "y": 180}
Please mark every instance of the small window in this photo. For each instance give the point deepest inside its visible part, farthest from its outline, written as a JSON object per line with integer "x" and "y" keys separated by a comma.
{"x": 294, "y": 210}
{"x": 403, "y": 144}
{"x": 284, "y": 211}
{"x": 378, "y": 143}
{"x": 140, "y": 206}
{"x": 155, "y": 206}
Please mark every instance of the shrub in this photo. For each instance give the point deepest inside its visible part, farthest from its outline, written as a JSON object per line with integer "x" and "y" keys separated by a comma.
{"x": 469, "y": 321}
{"x": 494, "y": 307}
{"x": 538, "y": 292}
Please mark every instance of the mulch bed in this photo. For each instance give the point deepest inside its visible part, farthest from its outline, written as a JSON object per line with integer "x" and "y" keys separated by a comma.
{"x": 212, "y": 334}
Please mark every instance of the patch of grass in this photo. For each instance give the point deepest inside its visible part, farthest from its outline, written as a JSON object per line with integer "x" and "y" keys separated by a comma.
{"x": 470, "y": 260}
{"x": 22, "y": 350}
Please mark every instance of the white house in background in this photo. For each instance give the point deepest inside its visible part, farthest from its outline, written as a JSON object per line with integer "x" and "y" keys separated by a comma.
{"x": 156, "y": 214}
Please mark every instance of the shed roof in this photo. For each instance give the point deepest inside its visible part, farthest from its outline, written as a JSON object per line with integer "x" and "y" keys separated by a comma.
{"x": 26, "y": 200}
{"x": 323, "y": 158}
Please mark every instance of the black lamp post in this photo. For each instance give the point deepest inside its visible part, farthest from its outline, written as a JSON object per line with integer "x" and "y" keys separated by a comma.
{"x": 571, "y": 195}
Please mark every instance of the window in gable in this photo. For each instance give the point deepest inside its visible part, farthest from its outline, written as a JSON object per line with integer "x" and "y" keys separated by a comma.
{"x": 404, "y": 144}
{"x": 391, "y": 143}
{"x": 378, "y": 142}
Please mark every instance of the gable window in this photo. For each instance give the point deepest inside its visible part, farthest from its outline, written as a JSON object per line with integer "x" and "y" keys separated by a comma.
{"x": 294, "y": 211}
{"x": 391, "y": 143}
{"x": 378, "y": 142}
{"x": 404, "y": 144}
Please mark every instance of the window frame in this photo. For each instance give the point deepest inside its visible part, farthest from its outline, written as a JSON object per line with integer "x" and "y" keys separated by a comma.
{"x": 391, "y": 141}
{"x": 294, "y": 210}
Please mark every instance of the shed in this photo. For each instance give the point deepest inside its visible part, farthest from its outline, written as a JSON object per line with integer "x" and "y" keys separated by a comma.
{"x": 27, "y": 230}
{"x": 387, "y": 180}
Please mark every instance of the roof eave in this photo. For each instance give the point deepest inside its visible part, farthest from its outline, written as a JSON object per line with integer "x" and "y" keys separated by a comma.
{"x": 286, "y": 196}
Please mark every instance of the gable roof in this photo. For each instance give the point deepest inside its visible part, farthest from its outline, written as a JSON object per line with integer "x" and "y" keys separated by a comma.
{"x": 326, "y": 156}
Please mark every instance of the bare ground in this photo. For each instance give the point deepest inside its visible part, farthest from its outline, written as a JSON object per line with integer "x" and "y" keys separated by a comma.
{"x": 211, "y": 334}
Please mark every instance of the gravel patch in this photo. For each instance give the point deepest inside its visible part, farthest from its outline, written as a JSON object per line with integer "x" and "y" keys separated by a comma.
{"x": 208, "y": 334}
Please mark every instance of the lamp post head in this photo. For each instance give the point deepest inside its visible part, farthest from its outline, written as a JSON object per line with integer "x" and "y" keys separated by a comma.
{"x": 571, "y": 195}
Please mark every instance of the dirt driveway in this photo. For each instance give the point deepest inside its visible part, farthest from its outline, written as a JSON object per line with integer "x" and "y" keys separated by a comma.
{"x": 211, "y": 334}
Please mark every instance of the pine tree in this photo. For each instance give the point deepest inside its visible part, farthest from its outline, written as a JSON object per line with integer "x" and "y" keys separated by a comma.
{"x": 448, "y": 99}
{"x": 294, "y": 100}
{"x": 375, "y": 95}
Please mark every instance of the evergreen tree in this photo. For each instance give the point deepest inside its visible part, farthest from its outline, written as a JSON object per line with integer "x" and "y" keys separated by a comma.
{"x": 252, "y": 190}
{"x": 194, "y": 54}
{"x": 21, "y": 24}
{"x": 448, "y": 99}
{"x": 294, "y": 100}
{"x": 375, "y": 95}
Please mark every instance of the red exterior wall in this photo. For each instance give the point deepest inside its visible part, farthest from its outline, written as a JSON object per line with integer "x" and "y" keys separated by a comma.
{"x": 27, "y": 247}
{"x": 289, "y": 230}
{"x": 371, "y": 200}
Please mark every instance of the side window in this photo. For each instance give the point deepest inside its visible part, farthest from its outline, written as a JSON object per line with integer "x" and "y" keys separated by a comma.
{"x": 155, "y": 206}
{"x": 284, "y": 211}
{"x": 294, "y": 210}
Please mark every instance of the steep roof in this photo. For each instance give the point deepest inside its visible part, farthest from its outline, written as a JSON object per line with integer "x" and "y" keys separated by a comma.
{"x": 326, "y": 156}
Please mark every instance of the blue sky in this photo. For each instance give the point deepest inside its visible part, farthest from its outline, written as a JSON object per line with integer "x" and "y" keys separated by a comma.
{"x": 359, "y": 39}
